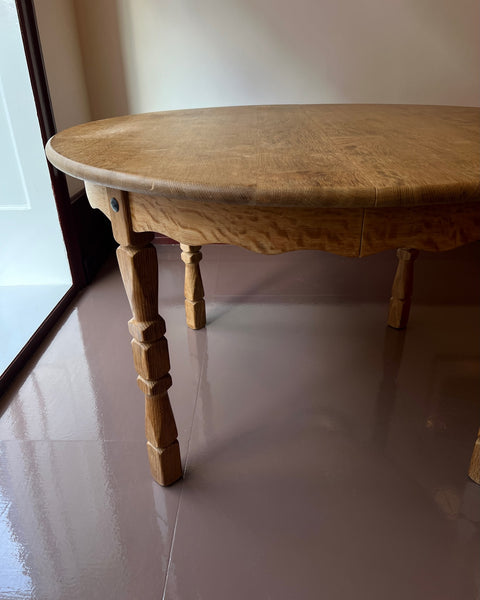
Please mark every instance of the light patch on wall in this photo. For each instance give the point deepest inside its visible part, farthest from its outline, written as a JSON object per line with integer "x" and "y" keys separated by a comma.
{"x": 13, "y": 191}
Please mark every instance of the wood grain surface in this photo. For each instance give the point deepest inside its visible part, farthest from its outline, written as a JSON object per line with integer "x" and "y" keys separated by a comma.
{"x": 353, "y": 156}
{"x": 137, "y": 260}
{"x": 194, "y": 293}
{"x": 272, "y": 230}
{"x": 474, "y": 470}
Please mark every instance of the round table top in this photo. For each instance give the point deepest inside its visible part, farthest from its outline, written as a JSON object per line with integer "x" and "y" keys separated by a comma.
{"x": 283, "y": 155}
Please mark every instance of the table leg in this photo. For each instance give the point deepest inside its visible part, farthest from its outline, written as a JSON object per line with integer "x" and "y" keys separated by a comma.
{"x": 194, "y": 294}
{"x": 402, "y": 289}
{"x": 137, "y": 259}
{"x": 474, "y": 470}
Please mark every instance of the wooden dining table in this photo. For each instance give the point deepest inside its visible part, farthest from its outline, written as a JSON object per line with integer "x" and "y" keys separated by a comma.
{"x": 349, "y": 179}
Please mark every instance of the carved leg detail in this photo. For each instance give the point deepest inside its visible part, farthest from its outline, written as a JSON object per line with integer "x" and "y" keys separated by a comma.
{"x": 474, "y": 470}
{"x": 150, "y": 356}
{"x": 162, "y": 445}
{"x": 194, "y": 294}
{"x": 137, "y": 260}
{"x": 400, "y": 301}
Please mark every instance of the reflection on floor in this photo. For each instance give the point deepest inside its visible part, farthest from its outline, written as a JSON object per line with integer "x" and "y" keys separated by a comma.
{"x": 325, "y": 455}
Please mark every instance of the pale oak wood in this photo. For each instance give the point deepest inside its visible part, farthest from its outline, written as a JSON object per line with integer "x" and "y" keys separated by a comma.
{"x": 137, "y": 260}
{"x": 474, "y": 470}
{"x": 351, "y": 179}
{"x": 272, "y": 230}
{"x": 432, "y": 228}
{"x": 401, "y": 299}
{"x": 301, "y": 155}
{"x": 266, "y": 230}
{"x": 194, "y": 294}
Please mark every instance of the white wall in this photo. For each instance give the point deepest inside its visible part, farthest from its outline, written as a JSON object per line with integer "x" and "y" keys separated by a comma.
{"x": 99, "y": 35}
{"x": 110, "y": 57}
{"x": 186, "y": 53}
{"x": 57, "y": 27}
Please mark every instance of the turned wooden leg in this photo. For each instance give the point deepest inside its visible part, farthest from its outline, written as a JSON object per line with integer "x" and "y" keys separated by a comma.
{"x": 402, "y": 289}
{"x": 474, "y": 470}
{"x": 137, "y": 259}
{"x": 194, "y": 294}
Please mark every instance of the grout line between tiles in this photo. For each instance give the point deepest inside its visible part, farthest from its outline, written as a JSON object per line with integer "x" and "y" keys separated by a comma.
{"x": 200, "y": 376}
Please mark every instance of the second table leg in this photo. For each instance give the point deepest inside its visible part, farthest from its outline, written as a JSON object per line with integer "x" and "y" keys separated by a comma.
{"x": 194, "y": 294}
{"x": 401, "y": 299}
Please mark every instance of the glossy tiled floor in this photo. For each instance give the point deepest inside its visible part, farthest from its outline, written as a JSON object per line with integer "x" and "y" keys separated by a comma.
{"x": 325, "y": 455}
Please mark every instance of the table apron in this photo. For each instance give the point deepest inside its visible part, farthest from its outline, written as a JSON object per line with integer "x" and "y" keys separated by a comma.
{"x": 273, "y": 230}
